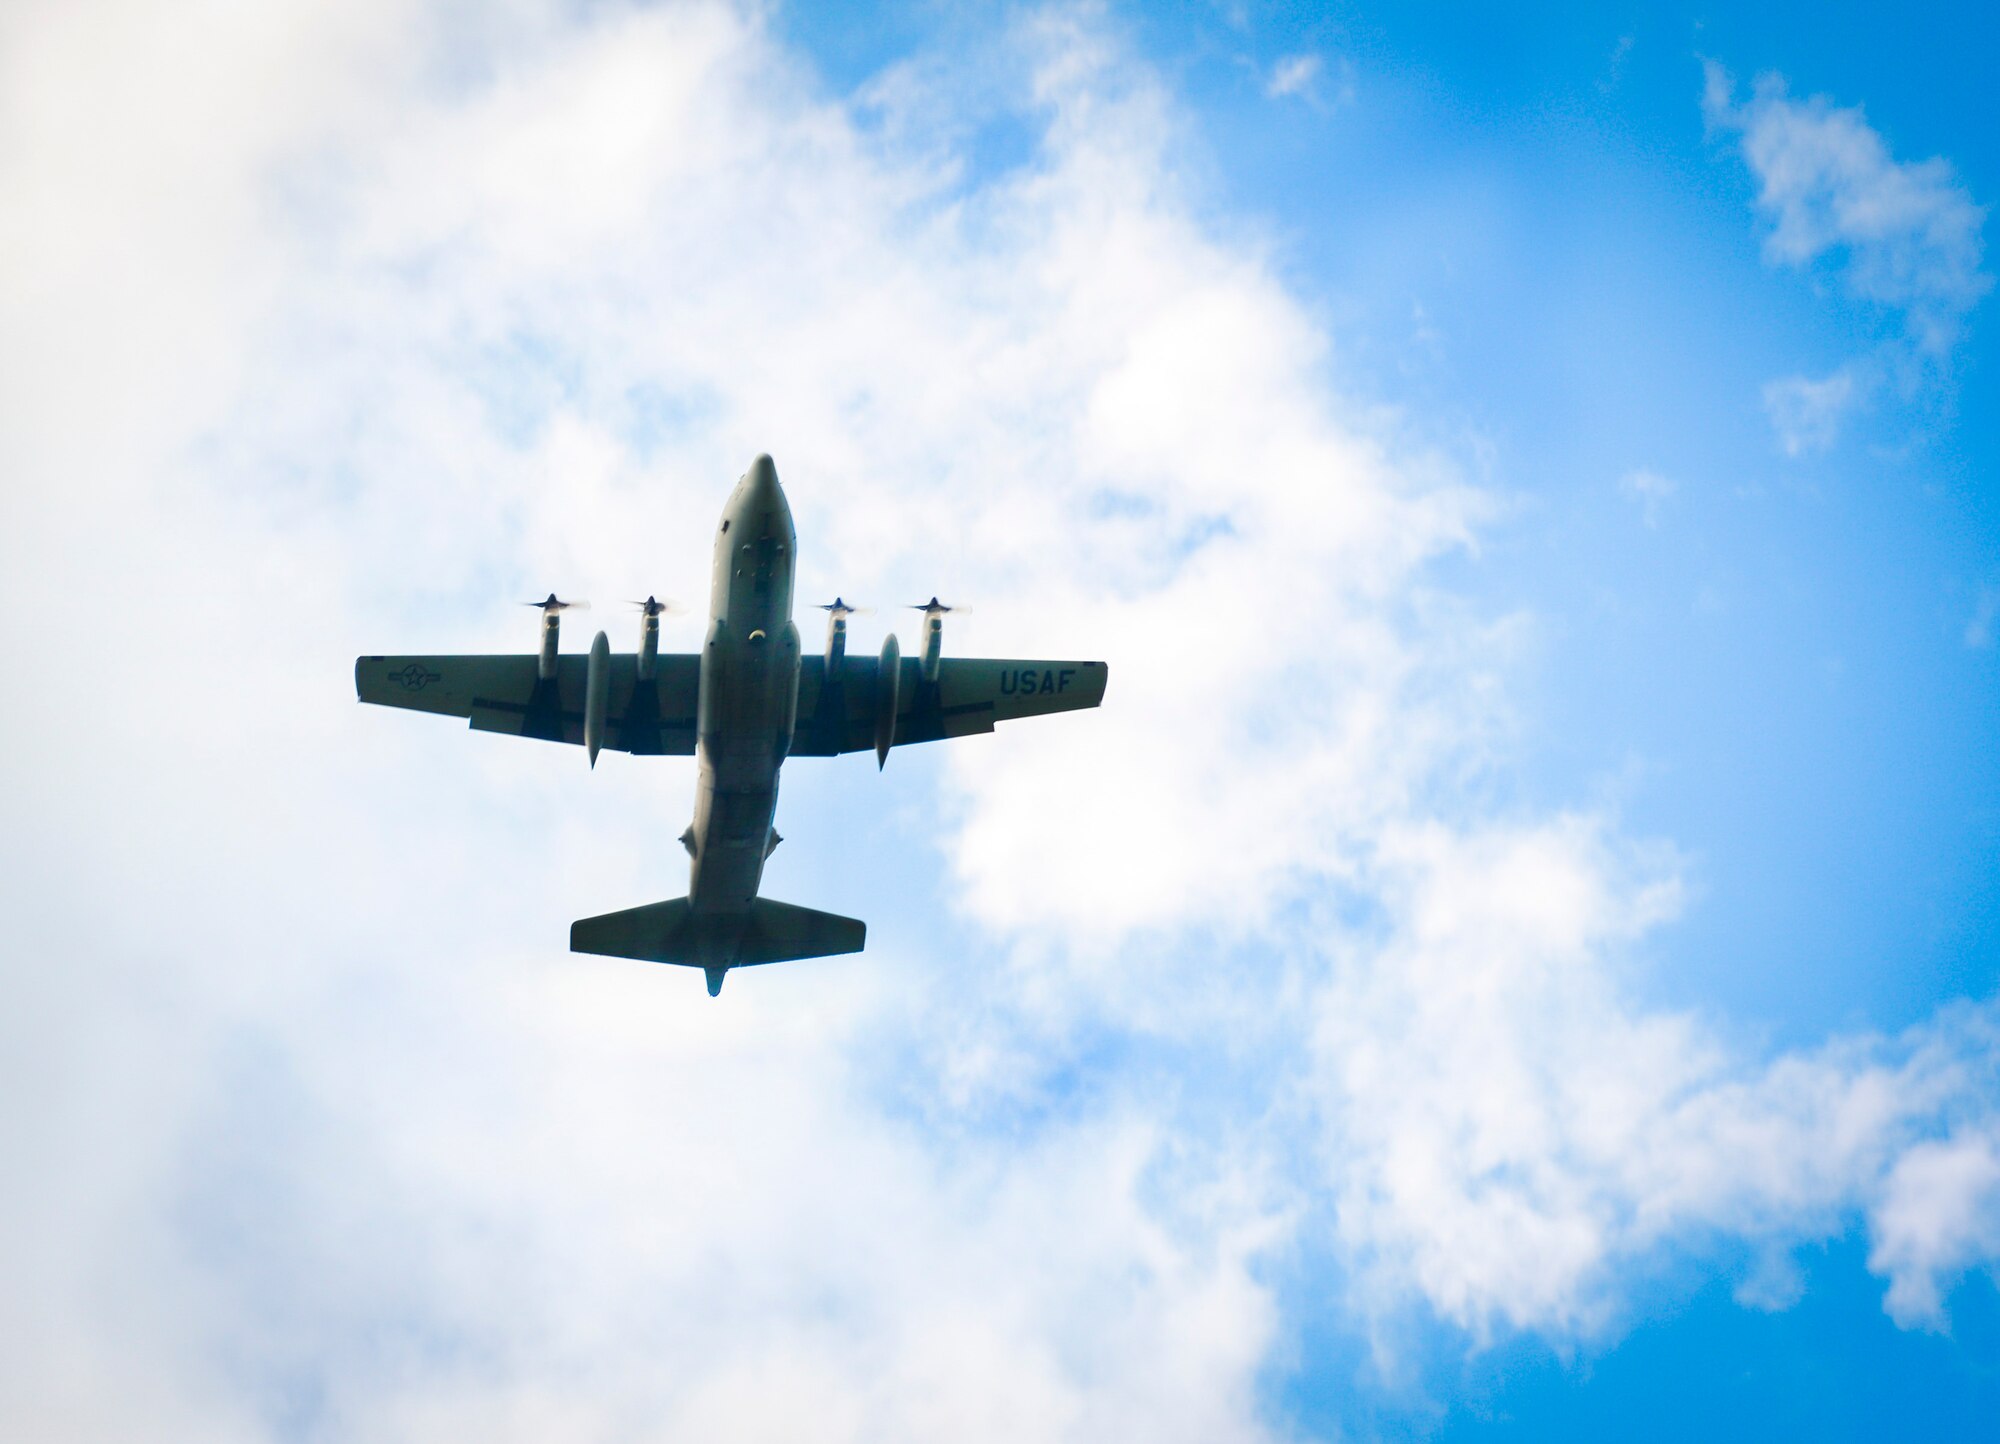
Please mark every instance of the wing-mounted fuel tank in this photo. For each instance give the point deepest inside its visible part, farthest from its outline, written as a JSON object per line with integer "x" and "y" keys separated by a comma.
{"x": 888, "y": 697}
{"x": 596, "y": 696}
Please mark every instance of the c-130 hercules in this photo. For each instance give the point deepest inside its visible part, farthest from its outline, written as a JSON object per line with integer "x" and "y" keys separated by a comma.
{"x": 742, "y": 705}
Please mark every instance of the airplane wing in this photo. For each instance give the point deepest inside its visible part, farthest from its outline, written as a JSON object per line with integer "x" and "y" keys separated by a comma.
{"x": 837, "y": 707}
{"x": 505, "y": 694}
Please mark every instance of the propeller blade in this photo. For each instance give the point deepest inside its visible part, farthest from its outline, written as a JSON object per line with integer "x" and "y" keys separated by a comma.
{"x": 553, "y": 603}
{"x": 654, "y": 607}
{"x": 936, "y": 608}
{"x": 841, "y": 608}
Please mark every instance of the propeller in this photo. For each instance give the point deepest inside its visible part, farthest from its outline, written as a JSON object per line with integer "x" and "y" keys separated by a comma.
{"x": 840, "y": 608}
{"x": 936, "y": 608}
{"x": 654, "y": 607}
{"x": 553, "y": 603}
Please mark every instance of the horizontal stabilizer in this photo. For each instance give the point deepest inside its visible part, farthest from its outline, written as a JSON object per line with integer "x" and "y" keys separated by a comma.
{"x": 779, "y": 932}
{"x": 656, "y": 933}
{"x": 669, "y": 932}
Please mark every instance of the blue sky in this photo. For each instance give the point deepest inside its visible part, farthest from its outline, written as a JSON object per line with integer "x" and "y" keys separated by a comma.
{"x": 1781, "y": 658}
{"x": 1527, "y": 235}
{"x": 1514, "y": 956}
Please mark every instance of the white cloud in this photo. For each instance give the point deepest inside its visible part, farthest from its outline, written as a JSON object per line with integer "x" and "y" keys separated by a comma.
{"x": 1650, "y": 489}
{"x": 1906, "y": 232}
{"x": 1307, "y": 77}
{"x": 1293, "y": 75}
{"x": 320, "y": 1128}
{"x": 1807, "y": 414}
{"x": 1505, "y": 1130}
{"x": 1904, "y": 235}
{"x": 1985, "y": 609}
{"x": 1615, "y": 69}
{"x": 1940, "y": 1214}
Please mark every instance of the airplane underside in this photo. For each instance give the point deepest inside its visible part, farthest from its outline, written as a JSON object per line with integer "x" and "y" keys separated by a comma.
{"x": 742, "y": 705}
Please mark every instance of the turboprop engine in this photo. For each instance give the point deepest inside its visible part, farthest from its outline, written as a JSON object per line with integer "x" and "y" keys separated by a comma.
{"x": 837, "y": 612}
{"x": 552, "y": 609}
{"x": 649, "y": 636}
{"x": 933, "y": 611}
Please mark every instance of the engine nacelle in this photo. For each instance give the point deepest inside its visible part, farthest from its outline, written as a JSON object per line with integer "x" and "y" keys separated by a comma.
{"x": 545, "y": 664}
{"x": 649, "y": 643}
{"x": 933, "y": 643}
{"x": 552, "y": 607}
{"x": 650, "y": 612}
{"x": 933, "y": 649}
{"x": 888, "y": 698}
{"x": 837, "y": 612}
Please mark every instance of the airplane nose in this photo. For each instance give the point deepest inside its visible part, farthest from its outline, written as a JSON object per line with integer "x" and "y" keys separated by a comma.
{"x": 763, "y": 497}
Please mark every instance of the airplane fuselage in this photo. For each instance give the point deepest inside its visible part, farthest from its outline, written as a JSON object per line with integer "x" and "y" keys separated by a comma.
{"x": 747, "y": 707}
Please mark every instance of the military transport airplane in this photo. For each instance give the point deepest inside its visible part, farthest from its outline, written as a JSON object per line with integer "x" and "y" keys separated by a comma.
{"x": 742, "y": 705}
